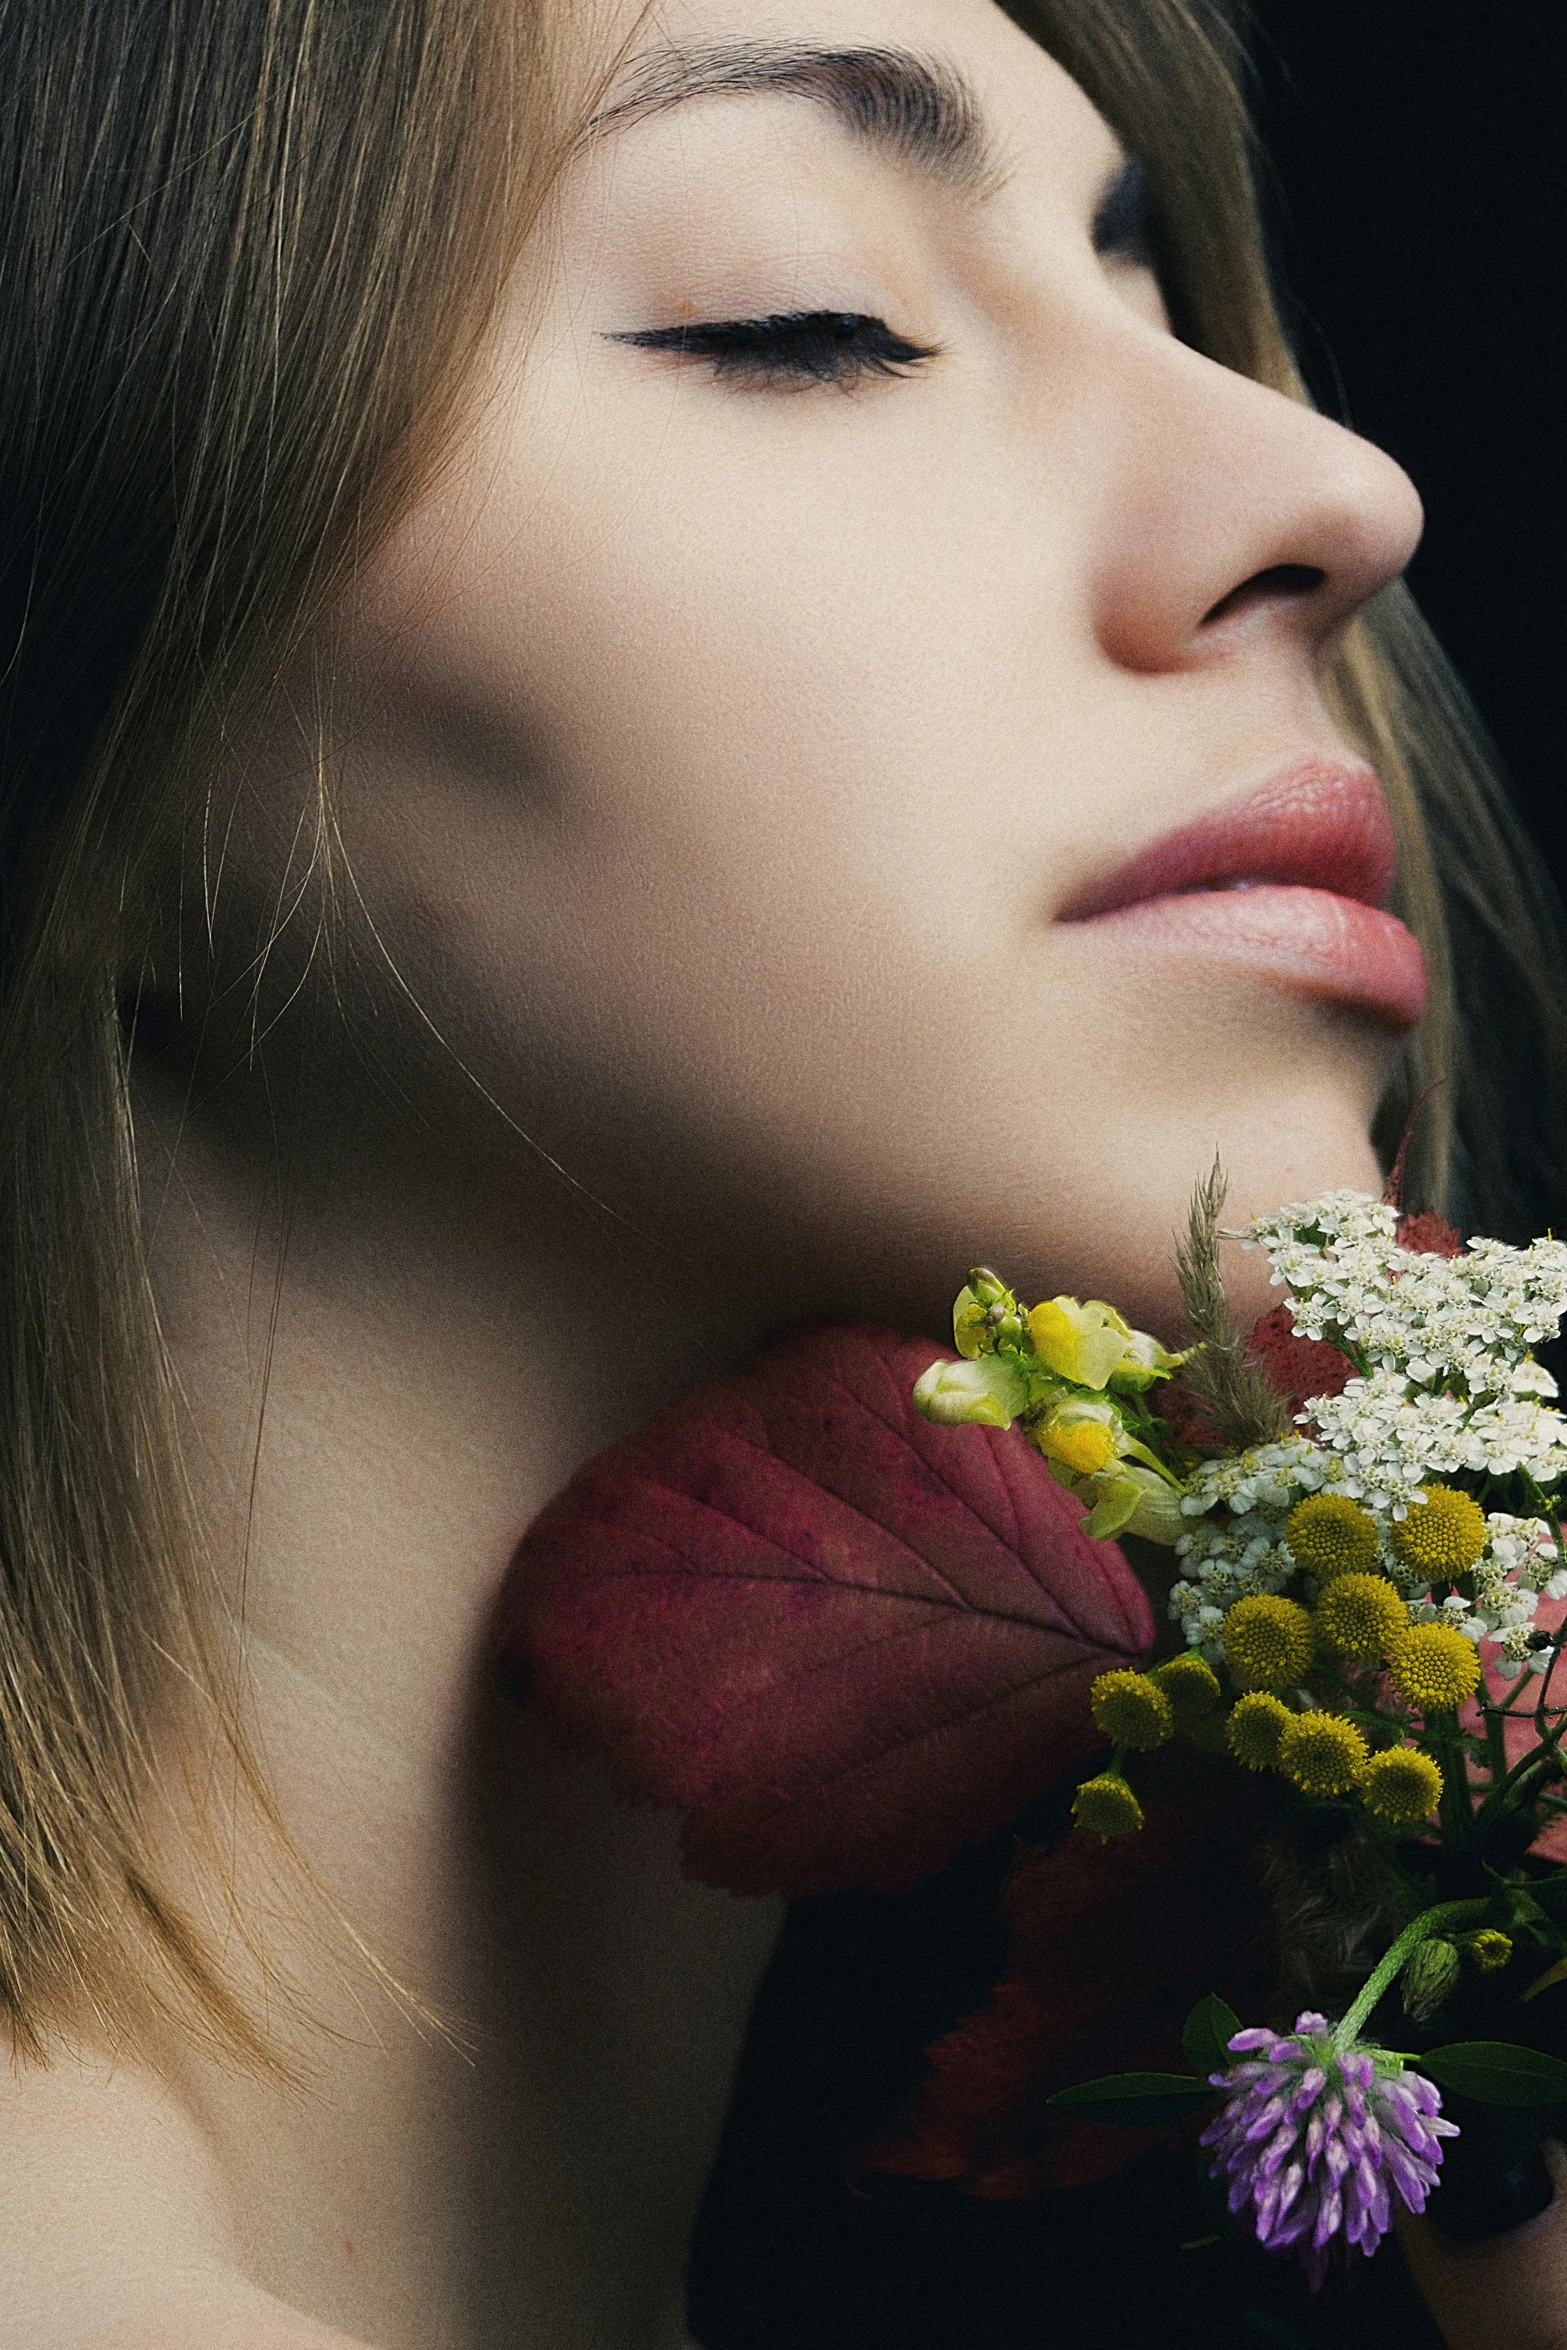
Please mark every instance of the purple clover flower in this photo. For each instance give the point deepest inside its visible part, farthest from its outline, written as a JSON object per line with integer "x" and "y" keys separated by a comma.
{"x": 1313, "y": 2136}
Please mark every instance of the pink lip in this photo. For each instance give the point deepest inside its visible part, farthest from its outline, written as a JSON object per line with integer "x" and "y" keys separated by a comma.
{"x": 1291, "y": 880}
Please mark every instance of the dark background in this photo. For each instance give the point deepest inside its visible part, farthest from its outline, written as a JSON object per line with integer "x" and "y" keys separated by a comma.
{"x": 1416, "y": 197}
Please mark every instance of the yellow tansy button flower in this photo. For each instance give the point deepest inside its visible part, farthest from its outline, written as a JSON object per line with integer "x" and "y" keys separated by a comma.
{"x": 1267, "y": 1640}
{"x": 1131, "y": 1709}
{"x": 1190, "y": 1684}
{"x": 1401, "y": 1785}
{"x": 1106, "y": 1806}
{"x": 1322, "y": 1753}
{"x": 1360, "y": 1616}
{"x": 1442, "y": 1536}
{"x": 1328, "y": 1534}
{"x": 1434, "y": 1667}
{"x": 1254, "y": 1729}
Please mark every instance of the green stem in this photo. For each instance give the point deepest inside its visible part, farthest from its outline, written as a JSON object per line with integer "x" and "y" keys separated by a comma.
{"x": 1446, "y": 1913}
{"x": 1547, "y": 1750}
{"x": 1456, "y": 1809}
{"x": 1542, "y": 1701}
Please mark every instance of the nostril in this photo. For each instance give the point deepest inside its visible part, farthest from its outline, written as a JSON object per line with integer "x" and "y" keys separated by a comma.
{"x": 1280, "y": 579}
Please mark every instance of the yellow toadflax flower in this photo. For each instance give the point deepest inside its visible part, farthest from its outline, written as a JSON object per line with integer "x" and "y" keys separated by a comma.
{"x": 1268, "y": 1641}
{"x": 1191, "y": 1685}
{"x": 1401, "y": 1785}
{"x": 1434, "y": 1667}
{"x": 1132, "y": 1710}
{"x": 1322, "y": 1753}
{"x": 987, "y": 1391}
{"x": 1143, "y": 1361}
{"x": 1328, "y": 1534}
{"x": 1084, "y": 1436}
{"x": 1254, "y": 1729}
{"x": 1106, "y": 1806}
{"x": 1360, "y": 1616}
{"x": 1126, "y": 1498}
{"x": 1082, "y": 1343}
{"x": 1442, "y": 1536}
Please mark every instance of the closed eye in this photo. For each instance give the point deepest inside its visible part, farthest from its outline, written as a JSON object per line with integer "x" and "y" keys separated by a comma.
{"x": 798, "y": 347}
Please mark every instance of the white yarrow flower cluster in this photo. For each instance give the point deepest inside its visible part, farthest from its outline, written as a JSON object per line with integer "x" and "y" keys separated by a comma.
{"x": 1223, "y": 1562}
{"x": 1268, "y": 1477}
{"x": 1466, "y": 1322}
{"x": 1446, "y": 1388}
{"x": 1521, "y": 1567}
{"x": 1392, "y": 1438}
{"x": 1243, "y": 1553}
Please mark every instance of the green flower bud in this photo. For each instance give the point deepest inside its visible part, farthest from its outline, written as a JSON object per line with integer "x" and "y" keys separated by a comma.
{"x": 1430, "y": 1972}
{"x": 985, "y": 1315}
{"x": 1158, "y": 1516}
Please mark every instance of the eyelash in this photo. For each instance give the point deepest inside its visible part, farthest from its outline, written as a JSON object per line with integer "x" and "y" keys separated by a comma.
{"x": 839, "y": 347}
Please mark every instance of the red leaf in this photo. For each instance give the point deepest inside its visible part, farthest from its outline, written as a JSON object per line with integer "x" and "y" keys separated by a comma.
{"x": 1112, "y": 1946}
{"x": 1429, "y": 1234}
{"x": 844, "y": 1639}
{"x": 1296, "y": 1367}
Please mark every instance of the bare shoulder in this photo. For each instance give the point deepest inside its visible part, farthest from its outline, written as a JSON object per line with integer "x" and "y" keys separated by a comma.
{"x": 193, "y": 2315}
{"x": 116, "y": 2235}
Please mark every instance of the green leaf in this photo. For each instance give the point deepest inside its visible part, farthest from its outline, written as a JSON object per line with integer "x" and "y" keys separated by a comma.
{"x": 1272, "y": 2329}
{"x": 1552, "y": 1974}
{"x": 1205, "y": 2034}
{"x": 1497, "y": 2072}
{"x": 1143, "y": 2100}
{"x": 1551, "y": 1893}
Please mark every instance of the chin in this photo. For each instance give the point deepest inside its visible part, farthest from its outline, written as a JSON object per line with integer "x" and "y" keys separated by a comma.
{"x": 1109, "y": 1230}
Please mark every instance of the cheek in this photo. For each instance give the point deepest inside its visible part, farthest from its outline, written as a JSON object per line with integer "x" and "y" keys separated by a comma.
{"x": 672, "y": 773}
{"x": 718, "y": 837}
{"x": 810, "y": 1059}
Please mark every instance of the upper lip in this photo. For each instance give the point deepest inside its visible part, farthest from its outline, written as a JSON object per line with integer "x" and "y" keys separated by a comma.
{"x": 1317, "y": 824}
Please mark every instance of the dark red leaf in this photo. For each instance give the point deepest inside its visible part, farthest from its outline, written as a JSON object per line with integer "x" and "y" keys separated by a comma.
{"x": 843, "y": 1639}
{"x": 1296, "y": 1367}
{"x": 1429, "y": 1235}
{"x": 1112, "y": 1946}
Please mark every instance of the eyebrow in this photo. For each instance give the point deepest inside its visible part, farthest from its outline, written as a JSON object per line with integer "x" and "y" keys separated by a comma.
{"x": 916, "y": 109}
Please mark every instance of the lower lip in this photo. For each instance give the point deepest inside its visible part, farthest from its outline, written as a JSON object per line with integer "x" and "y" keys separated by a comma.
{"x": 1310, "y": 941}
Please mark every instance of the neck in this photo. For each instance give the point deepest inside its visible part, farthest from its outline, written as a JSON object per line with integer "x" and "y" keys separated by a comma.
{"x": 375, "y": 1412}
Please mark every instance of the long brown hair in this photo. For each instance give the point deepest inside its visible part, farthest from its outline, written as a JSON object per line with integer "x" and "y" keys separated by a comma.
{"x": 248, "y": 250}
{"x": 248, "y": 253}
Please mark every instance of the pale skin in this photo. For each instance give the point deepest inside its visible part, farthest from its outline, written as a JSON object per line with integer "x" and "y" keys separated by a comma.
{"x": 716, "y": 757}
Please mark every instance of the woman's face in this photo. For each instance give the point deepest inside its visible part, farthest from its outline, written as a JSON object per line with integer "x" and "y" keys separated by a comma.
{"x": 755, "y": 733}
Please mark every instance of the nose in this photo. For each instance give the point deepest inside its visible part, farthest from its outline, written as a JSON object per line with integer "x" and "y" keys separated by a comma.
{"x": 1237, "y": 516}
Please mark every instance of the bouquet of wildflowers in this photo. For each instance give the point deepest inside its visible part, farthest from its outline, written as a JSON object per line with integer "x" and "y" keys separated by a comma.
{"x": 1367, "y": 1590}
